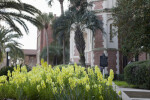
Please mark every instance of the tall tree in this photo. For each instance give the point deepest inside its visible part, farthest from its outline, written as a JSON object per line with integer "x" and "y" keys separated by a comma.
{"x": 80, "y": 18}
{"x": 60, "y": 26}
{"x": 45, "y": 19}
{"x": 12, "y": 11}
{"x": 62, "y": 12}
{"x": 132, "y": 17}
{"x": 7, "y": 39}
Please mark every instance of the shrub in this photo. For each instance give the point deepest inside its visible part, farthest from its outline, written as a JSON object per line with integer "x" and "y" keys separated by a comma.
{"x": 46, "y": 83}
{"x": 4, "y": 70}
{"x": 138, "y": 73}
{"x": 120, "y": 77}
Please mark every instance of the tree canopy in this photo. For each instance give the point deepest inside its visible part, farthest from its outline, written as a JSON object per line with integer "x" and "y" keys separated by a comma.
{"x": 12, "y": 12}
{"x": 7, "y": 39}
{"x": 78, "y": 18}
{"x": 132, "y": 17}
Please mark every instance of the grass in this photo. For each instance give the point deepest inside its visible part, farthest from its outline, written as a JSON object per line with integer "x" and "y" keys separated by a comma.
{"x": 124, "y": 84}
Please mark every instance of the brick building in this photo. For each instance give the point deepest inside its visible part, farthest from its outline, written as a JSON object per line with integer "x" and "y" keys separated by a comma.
{"x": 30, "y": 57}
{"x": 99, "y": 44}
{"x": 41, "y": 40}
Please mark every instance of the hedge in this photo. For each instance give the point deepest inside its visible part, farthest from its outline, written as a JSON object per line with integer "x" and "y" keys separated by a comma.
{"x": 138, "y": 73}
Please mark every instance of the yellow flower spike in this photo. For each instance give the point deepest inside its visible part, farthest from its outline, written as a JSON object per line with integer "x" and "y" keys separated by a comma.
{"x": 43, "y": 84}
{"x": 100, "y": 89}
{"x": 38, "y": 88}
{"x": 87, "y": 87}
{"x": 72, "y": 83}
{"x": 18, "y": 68}
{"x": 50, "y": 66}
{"x": 8, "y": 73}
{"x": 23, "y": 69}
{"x": 75, "y": 64}
{"x": 3, "y": 79}
{"x": 112, "y": 74}
{"x": 15, "y": 69}
{"x": 42, "y": 61}
{"x": 119, "y": 93}
{"x": 96, "y": 69}
{"x": 109, "y": 82}
{"x": 54, "y": 90}
{"x": 1, "y": 84}
{"x": 101, "y": 98}
{"x": 95, "y": 86}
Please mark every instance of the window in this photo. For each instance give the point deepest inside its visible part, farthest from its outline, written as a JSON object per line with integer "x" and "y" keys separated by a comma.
{"x": 111, "y": 33}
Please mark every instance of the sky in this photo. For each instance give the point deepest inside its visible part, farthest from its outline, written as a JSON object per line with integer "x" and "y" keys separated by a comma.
{"x": 30, "y": 41}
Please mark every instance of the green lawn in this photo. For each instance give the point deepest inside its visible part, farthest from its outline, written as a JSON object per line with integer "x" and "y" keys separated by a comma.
{"x": 124, "y": 84}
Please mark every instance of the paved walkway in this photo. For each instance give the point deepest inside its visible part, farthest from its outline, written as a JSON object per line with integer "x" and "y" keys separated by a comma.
{"x": 132, "y": 94}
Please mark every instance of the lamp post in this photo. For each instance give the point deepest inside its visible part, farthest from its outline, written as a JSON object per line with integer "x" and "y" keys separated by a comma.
{"x": 7, "y": 50}
{"x": 8, "y": 60}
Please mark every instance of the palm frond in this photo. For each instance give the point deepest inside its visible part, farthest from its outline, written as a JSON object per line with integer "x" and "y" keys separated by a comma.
{"x": 7, "y": 40}
{"x": 26, "y": 12}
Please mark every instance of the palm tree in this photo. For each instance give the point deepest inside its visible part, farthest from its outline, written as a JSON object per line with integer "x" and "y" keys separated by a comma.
{"x": 55, "y": 52}
{"x": 45, "y": 19}
{"x": 81, "y": 18}
{"x": 62, "y": 13}
{"x": 75, "y": 3}
{"x": 61, "y": 4}
{"x": 12, "y": 11}
{"x": 7, "y": 40}
{"x": 60, "y": 26}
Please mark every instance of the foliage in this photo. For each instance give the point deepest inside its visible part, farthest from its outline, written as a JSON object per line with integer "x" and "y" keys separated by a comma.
{"x": 61, "y": 34}
{"x": 124, "y": 84}
{"x": 55, "y": 54}
{"x": 138, "y": 73}
{"x": 64, "y": 32}
{"x": 45, "y": 83}
{"x": 7, "y": 39}
{"x": 78, "y": 19}
{"x": 4, "y": 70}
{"x": 12, "y": 12}
{"x": 45, "y": 19}
{"x": 61, "y": 30}
{"x": 132, "y": 19}
{"x": 119, "y": 77}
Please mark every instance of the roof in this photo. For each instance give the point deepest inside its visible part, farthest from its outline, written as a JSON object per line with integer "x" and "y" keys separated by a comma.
{"x": 29, "y": 51}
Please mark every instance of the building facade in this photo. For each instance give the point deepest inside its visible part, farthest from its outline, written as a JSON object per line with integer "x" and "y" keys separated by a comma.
{"x": 41, "y": 40}
{"x": 30, "y": 58}
{"x": 101, "y": 43}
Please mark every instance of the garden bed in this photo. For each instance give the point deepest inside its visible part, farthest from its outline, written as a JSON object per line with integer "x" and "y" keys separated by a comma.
{"x": 68, "y": 83}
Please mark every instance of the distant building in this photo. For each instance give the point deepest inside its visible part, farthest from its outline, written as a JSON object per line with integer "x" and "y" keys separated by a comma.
{"x": 95, "y": 45}
{"x": 98, "y": 44}
{"x": 30, "y": 57}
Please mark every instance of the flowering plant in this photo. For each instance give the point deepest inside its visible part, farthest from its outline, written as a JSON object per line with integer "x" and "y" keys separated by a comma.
{"x": 45, "y": 83}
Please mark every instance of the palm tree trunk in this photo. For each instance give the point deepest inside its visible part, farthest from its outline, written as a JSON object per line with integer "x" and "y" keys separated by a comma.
{"x": 0, "y": 55}
{"x": 64, "y": 48}
{"x": 64, "y": 45}
{"x": 62, "y": 6}
{"x": 80, "y": 45}
{"x": 47, "y": 46}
